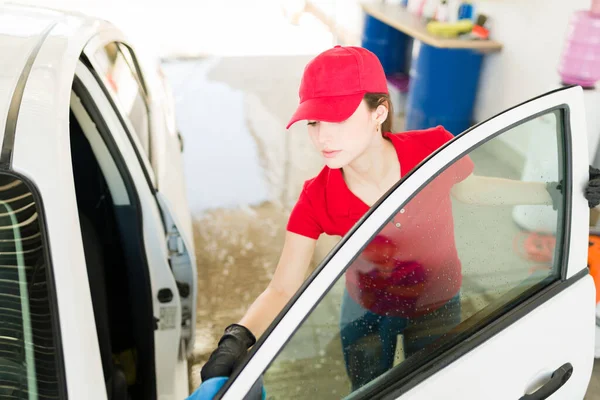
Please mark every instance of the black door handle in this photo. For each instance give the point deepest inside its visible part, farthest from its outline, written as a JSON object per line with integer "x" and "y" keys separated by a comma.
{"x": 165, "y": 295}
{"x": 558, "y": 379}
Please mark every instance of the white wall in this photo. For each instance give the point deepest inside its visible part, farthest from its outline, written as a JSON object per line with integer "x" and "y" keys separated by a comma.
{"x": 533, "y": 33}
{"x": 190, "y": 28}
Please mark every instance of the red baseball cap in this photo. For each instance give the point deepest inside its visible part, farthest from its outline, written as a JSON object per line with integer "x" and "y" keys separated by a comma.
{"x": 335, "y": 82}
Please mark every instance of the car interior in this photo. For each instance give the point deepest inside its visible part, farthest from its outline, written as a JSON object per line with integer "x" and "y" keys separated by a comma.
{"x": 115, "y": 258}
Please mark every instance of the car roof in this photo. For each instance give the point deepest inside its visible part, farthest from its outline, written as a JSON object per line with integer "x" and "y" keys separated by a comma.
{"x": 39, "y": 50}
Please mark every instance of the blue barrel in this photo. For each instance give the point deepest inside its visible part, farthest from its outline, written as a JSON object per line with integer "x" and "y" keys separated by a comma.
{"x": 443, "y": 85}
{"x": 388, "y": 44}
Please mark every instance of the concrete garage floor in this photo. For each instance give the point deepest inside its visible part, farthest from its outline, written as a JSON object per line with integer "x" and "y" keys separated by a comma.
{"x": 244, "y": 173}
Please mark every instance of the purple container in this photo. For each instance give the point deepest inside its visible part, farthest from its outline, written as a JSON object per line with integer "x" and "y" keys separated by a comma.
{"x": 580, "y": 62}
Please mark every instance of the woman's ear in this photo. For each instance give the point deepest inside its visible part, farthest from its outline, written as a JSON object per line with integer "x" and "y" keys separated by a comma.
{"x": 381, "y": 114}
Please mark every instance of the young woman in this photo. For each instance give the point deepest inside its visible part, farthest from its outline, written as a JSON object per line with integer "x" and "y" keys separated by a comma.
{"x": 397, "y": 281}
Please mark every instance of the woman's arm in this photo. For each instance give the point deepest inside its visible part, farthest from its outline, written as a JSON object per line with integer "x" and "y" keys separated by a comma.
{"x": 491, "y": 191}
{"x": 289, "y": 276}
{"x": 238, "y": 338}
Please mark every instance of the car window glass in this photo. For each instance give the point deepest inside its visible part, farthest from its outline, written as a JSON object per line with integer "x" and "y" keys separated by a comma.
{"x": 28, "y": 348}
{"x": 116, "y": 63}
{"x": 444, "y": 266}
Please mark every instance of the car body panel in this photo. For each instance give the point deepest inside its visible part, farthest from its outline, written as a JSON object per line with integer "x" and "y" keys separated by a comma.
{"x": 42, "y": 154}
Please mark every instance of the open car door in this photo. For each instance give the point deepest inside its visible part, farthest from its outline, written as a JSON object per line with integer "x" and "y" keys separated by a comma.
{"x": 522, "y": 323}
{"x": 183, "y": 266}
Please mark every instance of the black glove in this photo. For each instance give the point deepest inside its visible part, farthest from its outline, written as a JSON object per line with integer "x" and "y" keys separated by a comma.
{"x": 594, "y": 173}
{"x": 233, "y": 346}
{"x": 592, "y": 190}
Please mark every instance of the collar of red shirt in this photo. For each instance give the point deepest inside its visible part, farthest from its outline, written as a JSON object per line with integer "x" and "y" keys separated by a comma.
{"x": 341, "y": 202}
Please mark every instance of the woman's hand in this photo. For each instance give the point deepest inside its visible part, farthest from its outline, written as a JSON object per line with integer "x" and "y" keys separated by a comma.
{"x": 592, "y": 191}
{"x": 233, "y": 346}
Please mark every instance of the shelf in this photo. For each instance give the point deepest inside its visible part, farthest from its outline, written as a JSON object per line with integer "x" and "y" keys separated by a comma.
{"x": 399, "y": 18}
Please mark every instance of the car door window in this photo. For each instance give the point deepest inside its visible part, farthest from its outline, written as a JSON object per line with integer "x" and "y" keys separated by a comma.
{"x": 448, "y": 262}
{"x": 30, "y": 355}
{"x": 119, "y": 68}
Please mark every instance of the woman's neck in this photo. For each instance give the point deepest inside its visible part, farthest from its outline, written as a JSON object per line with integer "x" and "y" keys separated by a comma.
{"x": 375, "y": 167}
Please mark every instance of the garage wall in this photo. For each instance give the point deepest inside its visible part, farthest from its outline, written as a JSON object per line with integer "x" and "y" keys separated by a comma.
{"x": 344, "y": 17}
{"x": 527, "y": 65}
{"x": 533, "y": 33}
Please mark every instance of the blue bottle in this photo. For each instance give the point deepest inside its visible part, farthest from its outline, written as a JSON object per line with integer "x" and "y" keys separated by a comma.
{"x": 465, "y": 11}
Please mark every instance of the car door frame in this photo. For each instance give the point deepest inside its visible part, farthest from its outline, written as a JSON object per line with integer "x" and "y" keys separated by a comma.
{"x": 154, "y": 248}
{"x": 176, "y": 230}
{"x": 574, "y": 266}
{"x": 103, "y": 37}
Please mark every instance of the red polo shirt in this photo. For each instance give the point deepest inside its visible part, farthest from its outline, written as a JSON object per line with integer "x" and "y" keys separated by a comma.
{"x": 411, "y": 267}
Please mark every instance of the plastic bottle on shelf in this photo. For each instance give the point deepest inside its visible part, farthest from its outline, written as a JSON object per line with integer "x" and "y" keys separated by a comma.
{"x": 430, "y": 9}
{"x": 443, "y": 11}
{"x": 453, "y": 6}
{"x": 465, "y": 10}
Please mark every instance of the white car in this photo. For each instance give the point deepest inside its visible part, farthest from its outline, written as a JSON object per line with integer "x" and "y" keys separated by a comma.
{"x": 98, "y": 274}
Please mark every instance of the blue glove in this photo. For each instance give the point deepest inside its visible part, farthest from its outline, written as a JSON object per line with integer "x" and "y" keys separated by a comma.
{"x": 210, "y": 387}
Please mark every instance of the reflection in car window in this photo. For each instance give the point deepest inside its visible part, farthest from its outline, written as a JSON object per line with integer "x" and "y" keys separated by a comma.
{"x": 438, "y": 271}
{"x": 28, "y": 354}
{"x": 116, "y": 63}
